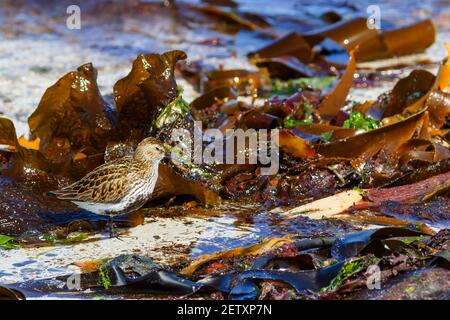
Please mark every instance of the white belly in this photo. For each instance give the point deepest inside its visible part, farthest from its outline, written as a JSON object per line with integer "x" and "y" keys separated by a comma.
{"x": 102, "y": 208}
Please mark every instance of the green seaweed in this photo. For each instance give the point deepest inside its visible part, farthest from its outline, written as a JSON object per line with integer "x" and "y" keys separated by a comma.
{"x": 358, "y": 121}
{"x": 350, "y": 268}
{"x": 173, "y": 111}
{"x": 326, "y": 136}
{"x": 77, "y": 237}
{"x": 291, "y": 86}
{"x": 359, "y": 190}
{"x": 291, "y": 121}
{"x": 195, "y": 170}
{"x": 7, "y": 242}
{"x": 410, "y": 240}
{"x": 103, "y": 277}
{"x": 49, "y": 238}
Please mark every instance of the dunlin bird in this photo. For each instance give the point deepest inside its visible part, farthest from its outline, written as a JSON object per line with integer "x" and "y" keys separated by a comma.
{"x": 120, "y": 186}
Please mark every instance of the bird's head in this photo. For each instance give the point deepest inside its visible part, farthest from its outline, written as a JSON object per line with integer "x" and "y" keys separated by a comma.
{"x": 150, "y": 149}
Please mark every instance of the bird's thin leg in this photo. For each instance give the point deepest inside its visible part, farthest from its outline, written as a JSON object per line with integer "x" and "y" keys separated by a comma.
{"x": 112, "y": 234}
{"x": 111, "y": 227}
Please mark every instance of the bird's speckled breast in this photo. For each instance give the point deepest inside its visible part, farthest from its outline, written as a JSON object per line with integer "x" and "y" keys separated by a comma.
{"x": 141, "y": 192}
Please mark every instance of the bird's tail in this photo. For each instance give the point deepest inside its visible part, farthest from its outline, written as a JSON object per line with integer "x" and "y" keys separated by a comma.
{"x": 62, "y": 194}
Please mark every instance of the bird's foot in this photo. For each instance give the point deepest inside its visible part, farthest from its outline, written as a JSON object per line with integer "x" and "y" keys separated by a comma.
{"x": 113, "y": 233}
{"x": 122, "y": 238}
{"x": 118, "y": 236}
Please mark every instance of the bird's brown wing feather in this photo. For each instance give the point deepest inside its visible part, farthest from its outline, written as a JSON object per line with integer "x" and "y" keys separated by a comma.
{"x": 106, "y": 184}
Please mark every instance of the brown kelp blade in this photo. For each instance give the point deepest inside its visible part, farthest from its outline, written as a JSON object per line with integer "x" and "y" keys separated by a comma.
{"x": 170, "y": 184}
{"x": 410, "y": 39}
{"x": 71, "y": 115}
{"x": 8, "y": 133}
{"x": 294, "y": 145}
{"x": 292, "y": 45}
{"x": 389, "y": 137}
{"x": 372, "y": 43}
{"x": 145, "y": 91}
{"x": 257, "y": 249}
{"x": 332, "y": 103}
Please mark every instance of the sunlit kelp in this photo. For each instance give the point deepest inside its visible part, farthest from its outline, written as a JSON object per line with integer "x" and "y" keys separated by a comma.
{"x": 72, "y": 116}
{"x": 333, "y": 101}
{"x": 145, "y": 91}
